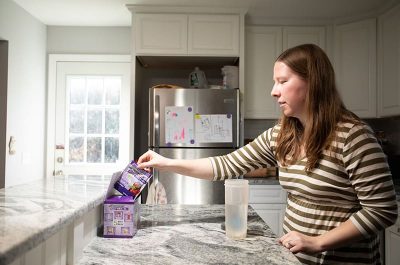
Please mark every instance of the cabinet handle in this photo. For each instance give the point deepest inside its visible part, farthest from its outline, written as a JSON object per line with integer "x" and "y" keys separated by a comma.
{"x": 398, "y": 230}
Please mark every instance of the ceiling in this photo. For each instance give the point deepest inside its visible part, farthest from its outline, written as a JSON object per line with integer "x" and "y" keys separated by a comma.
{"x": 115, "y": 13}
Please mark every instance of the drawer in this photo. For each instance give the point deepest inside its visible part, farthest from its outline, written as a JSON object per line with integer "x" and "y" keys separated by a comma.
{"x": 267, "y": 194}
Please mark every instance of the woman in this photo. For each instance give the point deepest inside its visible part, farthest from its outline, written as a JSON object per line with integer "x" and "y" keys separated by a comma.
{"x": 340, "y": 189}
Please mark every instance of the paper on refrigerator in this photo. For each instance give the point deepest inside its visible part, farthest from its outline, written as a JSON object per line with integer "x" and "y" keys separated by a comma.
{"x": 179, "y": 125}
{"x": 213, "y": 128}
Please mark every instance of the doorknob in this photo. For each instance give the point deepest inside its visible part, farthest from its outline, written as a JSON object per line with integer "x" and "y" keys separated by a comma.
{"x": 58, "y": 173}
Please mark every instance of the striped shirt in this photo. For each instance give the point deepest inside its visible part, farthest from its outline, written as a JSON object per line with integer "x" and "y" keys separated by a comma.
{"x": 351, "y": 181}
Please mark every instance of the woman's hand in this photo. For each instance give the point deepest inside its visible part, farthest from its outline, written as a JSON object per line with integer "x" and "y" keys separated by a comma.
{"x": 297, "y": 242}
{"x": 198, "y": 168}
{"x": 151, "y": 159}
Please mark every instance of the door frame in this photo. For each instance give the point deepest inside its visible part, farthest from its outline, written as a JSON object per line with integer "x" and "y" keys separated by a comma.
{"x": 3, "y": 109}
{"x": 51, "y": 97}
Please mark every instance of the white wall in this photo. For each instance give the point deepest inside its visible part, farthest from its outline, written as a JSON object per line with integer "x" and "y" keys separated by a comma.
{"x": 90, "y": 40}
{"x": 26, "y": 101}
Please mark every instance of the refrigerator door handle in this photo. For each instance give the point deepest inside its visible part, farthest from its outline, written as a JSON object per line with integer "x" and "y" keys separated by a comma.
{"x": 238, "y": 119}
{"x": 157, "y": 121}
{"x": 155, "y": 171}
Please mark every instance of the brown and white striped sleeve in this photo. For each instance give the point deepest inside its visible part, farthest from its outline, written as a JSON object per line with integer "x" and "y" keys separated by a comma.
{"x": 255, "y": 155}
{"x": 371, "y": 179}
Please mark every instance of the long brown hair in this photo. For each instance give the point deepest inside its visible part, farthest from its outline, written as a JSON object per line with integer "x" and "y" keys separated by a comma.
{"x": 324, "y": 107}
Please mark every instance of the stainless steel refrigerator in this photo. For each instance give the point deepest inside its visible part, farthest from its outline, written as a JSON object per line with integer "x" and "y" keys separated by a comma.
{"x": 193, "y": 123}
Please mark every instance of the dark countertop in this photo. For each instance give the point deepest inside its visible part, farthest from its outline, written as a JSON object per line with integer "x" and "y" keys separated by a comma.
{"x": 189, "y": 234}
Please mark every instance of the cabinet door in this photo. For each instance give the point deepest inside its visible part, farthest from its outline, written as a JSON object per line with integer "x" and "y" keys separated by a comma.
{"x": 355, "y": 66}
{"x": 389, "y": 63}
{"x": 272, "y": 214}
{"x": 263, "y": 45}
{"x": 213, "y": 35}
{"x": 161, "y": 34}
{"x": 293, "y": 36}
{"x": 392, "y": 245}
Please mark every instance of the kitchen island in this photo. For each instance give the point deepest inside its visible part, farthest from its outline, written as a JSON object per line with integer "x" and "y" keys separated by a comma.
{"x": 50, "y": 221}
{"x": 189, "y": 234}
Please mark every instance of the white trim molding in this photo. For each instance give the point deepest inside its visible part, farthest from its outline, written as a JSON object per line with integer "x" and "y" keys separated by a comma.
{"x": 51, "y": 93}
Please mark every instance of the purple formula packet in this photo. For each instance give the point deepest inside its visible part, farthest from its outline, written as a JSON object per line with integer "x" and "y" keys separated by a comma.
{"x": 132, "y": 180}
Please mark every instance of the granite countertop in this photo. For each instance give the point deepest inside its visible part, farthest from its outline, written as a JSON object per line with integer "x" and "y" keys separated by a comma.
{"x": 189, "y": 234}
{"x": 33, "y": 212}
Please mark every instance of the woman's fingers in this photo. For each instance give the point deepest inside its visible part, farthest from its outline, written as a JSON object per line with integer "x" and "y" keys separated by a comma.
{"x": 145, "y": 161}
{"x": 285, "y": 238}
{"x": 291, "y": 241}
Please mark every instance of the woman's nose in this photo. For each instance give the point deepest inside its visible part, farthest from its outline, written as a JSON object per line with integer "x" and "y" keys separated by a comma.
{"x": 275, "y": 91}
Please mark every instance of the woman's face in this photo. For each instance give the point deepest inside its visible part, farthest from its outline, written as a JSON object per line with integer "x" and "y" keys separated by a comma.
{"x": 290, "y": 90}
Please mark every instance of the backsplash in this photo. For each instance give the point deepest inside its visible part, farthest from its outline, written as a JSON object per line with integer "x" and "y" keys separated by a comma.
{"x": 387, "y": 129}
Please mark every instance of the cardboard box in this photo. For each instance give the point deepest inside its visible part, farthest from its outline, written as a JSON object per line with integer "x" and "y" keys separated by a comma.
{"x": 121, "y": 206}
{"x": 121, "y": 216}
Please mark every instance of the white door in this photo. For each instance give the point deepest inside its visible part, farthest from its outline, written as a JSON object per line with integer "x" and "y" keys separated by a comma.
{"x": 92, "y": 118}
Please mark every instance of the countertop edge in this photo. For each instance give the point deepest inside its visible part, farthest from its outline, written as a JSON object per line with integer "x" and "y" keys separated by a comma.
{"x": 9, "y": 255}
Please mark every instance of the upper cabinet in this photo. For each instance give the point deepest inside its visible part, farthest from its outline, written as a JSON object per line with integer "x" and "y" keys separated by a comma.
{"x": 161, "y": 34}
{"x": 213, "y": 35}
{"x": 355, "y": 66}
{"x": 389, "y": 63}
{"x": 263, "y": 46}
{"x": 293, "y": 36}
{"x": 187, "y": 34}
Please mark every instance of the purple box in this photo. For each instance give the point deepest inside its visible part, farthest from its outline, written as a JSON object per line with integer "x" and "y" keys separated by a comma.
{"x": 121, "y": 216}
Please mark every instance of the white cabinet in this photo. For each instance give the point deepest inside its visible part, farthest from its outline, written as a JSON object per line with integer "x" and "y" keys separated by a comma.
{"x": 389, "y": 63}
{"x": 213, "y": 35}
{"x": 263, "y": 46}
{"x": 293, "y": 36}
{"x": 392, "y": 244}
{"x": 160, "y": 34}
{"x": 269, "y": 201}
{"x": 66, "y": 245}
{"x": 355, "y": 66}
{"x": 182, "y": 34}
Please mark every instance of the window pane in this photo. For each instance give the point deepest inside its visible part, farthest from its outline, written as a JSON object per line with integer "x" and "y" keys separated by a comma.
{"x": 95, "y": 90}
{"x": 94, "y": 149}
{"x": 77, "y": 90}
{"x": 76, "y": 121}
{"x": 112, "y": 121}
{"x": 111, "y": 149}
{"x": 76, "y": 177}
{"x": 107, "y": 177}
{"x": 113, "y": 88}
{"x": 93, "y": 177}
{"x": 76, "y": 149}
{"x": 94, "y": 121}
